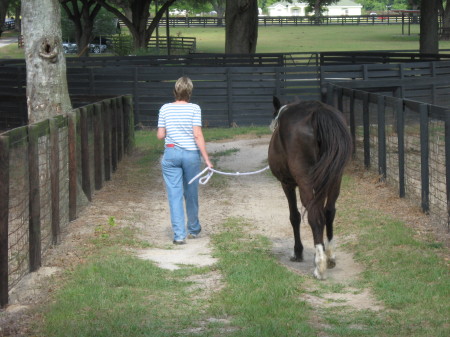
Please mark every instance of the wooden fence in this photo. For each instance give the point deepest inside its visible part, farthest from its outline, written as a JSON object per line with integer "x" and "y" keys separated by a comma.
{"x": 48, "y": 172}
{"x": 406, "y": 141}
{"x": 177, "y": 21}
{"x": 231, "y": 89}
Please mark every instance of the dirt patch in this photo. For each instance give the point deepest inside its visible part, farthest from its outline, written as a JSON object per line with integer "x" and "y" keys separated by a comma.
{"x": 138, "y": 199}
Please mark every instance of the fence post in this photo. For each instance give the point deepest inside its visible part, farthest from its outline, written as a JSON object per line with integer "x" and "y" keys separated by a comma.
{"x": 330, "y": 94}
{"x": 34, "y": 203}
{"x": 85, "y": 171}
{"x": 73, "y": 175}
{"x": 230, "y": 97}
{"x": 381, "y": 137}
{"x": 340, "y": 102}
{"x": 424, "y": 157}
{"x": 366, "y": 130}
{"x": 400, "y": 112}
{"x": 113, "y": 124}
{"x": 98, "y": 140}
{"x": 54, "y": 178}
{"x": 107, "y": 138}
{"x": 352, "y": 120}
{"x": 4, "y": 215}
{"x": 120, "y": 127}
{"x": 447, "y": 162}
{"x": 136, "y": 96}
{"x": 129, "y": 124}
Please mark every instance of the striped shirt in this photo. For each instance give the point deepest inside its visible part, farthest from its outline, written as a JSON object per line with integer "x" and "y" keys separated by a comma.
{"x": 179, "y": 120}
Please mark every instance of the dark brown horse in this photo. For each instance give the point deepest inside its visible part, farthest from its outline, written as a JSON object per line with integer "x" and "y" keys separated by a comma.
{"x": 310, "y": 147}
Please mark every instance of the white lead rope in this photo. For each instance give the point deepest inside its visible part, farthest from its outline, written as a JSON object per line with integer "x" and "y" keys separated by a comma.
{"x": 205, "y": 179}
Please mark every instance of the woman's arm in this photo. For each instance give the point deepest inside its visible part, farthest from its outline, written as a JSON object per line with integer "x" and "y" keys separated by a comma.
{"x": 200, "y": 141}
{"x": 161, "y": 133}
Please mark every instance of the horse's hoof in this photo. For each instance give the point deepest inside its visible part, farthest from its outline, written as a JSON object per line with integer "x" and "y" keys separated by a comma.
{"x": 331, "y": 264}
{"x": 318, "y": 276}
{"x": 296, "y": 259}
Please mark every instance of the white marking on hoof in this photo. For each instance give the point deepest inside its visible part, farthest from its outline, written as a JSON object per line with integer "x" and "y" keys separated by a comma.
{"x": 331, "y": 256}
{"x": 321, "y": 263}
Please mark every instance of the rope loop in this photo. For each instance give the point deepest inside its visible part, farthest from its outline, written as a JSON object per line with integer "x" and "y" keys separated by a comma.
{"x": 203, "y": 180}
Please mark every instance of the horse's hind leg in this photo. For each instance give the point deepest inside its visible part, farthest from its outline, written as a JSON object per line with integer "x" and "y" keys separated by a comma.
{"x": 329, "y": 247}
{"x": 330, "y": 212}
{"x": 316, "y": 220}
{"x": 294, "y": 217}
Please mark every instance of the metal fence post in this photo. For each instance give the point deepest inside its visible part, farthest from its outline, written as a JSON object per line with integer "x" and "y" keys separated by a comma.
{"x": 4, "y": 216}
{"x": 424, "y": 157}
{"x": 34, "y": 203}
{"x": 366, "y": 129}
{"x": 73, "y": 175}
{"x": 400, "y": 112}
{"x": 381, "y": 137}
{"x": 54, "y": 178}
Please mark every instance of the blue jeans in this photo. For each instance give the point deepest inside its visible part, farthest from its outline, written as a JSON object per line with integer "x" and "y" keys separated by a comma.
{"x": 179, "y": 167}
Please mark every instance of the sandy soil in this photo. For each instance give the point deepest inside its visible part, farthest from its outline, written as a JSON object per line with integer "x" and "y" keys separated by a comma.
{"x": 259, "y": 199}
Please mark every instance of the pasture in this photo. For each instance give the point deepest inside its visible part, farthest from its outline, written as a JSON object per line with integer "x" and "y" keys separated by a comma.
{"x": 296, "y": 39}
{"x": 391, "y": 277}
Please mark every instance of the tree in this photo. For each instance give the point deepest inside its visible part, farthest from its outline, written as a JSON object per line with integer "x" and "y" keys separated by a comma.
{"x": 14, "y": 9}
{"x": 140, "y": 14}
{"x": 241, "y": 30}
{"x": 444, "y": 9}
{"x": 3, "y": 10}
{"x": 47, "y": 91}
{"x": 429, "y": 27}
{"x": 317, "y": 6}
{"x": 82, "y": 13}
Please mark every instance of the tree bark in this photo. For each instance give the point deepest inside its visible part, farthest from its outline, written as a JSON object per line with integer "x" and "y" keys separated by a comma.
{"x": 47, "y": 91}
{"x": 429, "y": 27}
{"x": 241, "y": 31}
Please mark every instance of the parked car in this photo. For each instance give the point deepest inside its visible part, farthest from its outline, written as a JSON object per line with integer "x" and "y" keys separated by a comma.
{"x": 9, "y": 24}
{"x": 70, "y": 48}
{"x": 99, "y": 44}
{"x": 97, "y": 48}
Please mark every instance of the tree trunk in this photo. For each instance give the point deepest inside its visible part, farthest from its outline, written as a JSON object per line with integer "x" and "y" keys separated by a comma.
{"x": 47, "y": 91}
{"x": 241, "y": 30}
{"x": 429, "y": 27}
{"x": 83, "y": 20}
{"x": 3, "y": 8}
{"x": 139, "y": 19}
{"x": 446, "y": 21}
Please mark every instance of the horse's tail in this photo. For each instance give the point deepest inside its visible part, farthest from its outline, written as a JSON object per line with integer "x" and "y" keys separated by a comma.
{"x": 335, "y": 150}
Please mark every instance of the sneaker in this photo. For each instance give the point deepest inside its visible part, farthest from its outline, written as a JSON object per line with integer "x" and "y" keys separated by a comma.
{"x": 179, "y": 242}
{"x": 193, "y": 236}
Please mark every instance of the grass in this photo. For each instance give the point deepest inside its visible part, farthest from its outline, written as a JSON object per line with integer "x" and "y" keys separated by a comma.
{"x": 298, "y": 39}
{"x": 408, "y": 275}
{"x": 313, "y": 38}
{"x": 116, "y": 294}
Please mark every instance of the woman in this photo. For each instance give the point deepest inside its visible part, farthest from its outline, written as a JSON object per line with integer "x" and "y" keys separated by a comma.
{"x": 180, "y": 125}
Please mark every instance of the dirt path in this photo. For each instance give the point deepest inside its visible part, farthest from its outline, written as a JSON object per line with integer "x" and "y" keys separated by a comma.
{"x": 138, "y": 199}
{"x": 259, "y": 200}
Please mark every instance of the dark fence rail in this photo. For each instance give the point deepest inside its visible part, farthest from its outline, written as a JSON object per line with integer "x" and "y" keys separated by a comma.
{"x": 176, "y": 21}
{"x": 48, "y": 172}
{"x": 406, "y": 141}
{"x": 232, "y": 89}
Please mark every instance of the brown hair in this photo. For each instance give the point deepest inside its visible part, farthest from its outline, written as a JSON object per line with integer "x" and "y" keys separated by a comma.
{"x": 183, "y": 89}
